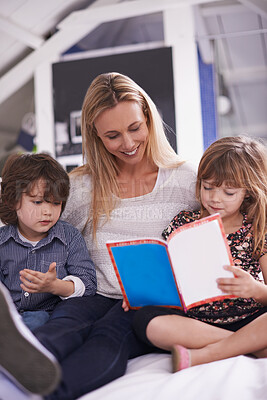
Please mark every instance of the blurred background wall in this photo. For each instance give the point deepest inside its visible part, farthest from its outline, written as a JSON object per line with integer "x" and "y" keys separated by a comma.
{"x": 203, "y": 62}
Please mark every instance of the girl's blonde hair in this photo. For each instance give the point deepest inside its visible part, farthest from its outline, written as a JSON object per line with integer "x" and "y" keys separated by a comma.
{"x": 105, "y": 92}
{"x": 239, "y": 162}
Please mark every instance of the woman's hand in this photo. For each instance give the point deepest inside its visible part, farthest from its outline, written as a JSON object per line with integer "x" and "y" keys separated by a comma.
{"x": 241, "y": 285}
{"x": 39, "y": 282}
{"x": 124, "y": 306}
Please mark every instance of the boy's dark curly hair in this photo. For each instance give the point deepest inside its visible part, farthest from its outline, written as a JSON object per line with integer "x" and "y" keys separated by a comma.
{"x": 19, "y": 175}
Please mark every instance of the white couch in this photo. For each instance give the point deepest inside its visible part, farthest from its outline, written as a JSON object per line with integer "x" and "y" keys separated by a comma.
{"x": 149, "y": 378}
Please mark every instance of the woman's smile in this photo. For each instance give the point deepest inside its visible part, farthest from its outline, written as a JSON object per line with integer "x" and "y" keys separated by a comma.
{"x": 131, "y": 153}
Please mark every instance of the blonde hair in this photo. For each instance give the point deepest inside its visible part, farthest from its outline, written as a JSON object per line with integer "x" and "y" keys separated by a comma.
{"x": 105, "y": 92}
{"x": 239, "y": 162}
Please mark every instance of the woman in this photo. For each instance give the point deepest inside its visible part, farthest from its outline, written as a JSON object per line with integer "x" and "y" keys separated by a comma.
{"x": 131, "y": 185}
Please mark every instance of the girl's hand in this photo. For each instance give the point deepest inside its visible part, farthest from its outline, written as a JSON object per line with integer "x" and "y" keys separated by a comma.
{"x": 124, "y": 306}
{"x": 241, "y": 285}
{"x": 39, "y": 282}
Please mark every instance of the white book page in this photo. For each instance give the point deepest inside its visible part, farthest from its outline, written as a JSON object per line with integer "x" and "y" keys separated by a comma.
{"x": 198, "y": 255}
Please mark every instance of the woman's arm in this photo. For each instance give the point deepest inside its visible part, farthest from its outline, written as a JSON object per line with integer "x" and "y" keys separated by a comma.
{"x": 78, "y": 204}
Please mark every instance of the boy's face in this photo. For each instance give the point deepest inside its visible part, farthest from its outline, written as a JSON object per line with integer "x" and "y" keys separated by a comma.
{"x": 35, "y": 215}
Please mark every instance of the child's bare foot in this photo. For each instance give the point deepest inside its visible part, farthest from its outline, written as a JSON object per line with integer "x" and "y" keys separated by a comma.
{"x": 181, "y": 358}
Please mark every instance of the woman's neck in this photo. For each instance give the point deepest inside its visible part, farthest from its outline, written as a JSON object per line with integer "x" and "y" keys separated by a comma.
{"x": 137, "y": 180}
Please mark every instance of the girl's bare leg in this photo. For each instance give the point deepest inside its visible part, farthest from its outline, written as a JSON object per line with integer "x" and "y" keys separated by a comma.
{"x": 166, "y": 330}
{"x": 251, "y": 339}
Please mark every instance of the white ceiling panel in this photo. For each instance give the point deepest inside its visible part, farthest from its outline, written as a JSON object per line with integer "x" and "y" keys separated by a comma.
{"x": 8, "y": 7}
{"x": 49, "y": 12}
{"x": 236, "y": 29}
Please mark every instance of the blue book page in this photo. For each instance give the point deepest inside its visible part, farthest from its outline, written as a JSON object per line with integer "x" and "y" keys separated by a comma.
{"x": 146, "y": 274}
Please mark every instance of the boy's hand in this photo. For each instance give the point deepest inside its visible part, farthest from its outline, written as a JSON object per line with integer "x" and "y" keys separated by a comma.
{"x": 241, "y": 285}
{"x": 39, "y": 282}
{"x": 124, "y": 306}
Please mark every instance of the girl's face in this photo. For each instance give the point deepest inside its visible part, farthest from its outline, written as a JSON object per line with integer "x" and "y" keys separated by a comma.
{"x": 123, "y": 131}
{"x": 35, "y": 215}
{"x": 224, "y": 200}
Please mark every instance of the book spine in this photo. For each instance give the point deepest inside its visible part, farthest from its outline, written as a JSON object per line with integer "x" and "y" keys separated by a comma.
{"x": 118, "y": 276}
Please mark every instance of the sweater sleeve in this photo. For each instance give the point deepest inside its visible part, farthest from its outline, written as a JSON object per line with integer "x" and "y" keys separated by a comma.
{"x": 78, "y": 204}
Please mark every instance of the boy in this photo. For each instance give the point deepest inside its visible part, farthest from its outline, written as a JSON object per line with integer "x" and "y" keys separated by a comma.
{"x": 42, "y": 259}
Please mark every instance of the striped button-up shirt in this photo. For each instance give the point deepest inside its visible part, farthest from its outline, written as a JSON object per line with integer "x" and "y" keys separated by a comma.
{"x": 64, "y": 245}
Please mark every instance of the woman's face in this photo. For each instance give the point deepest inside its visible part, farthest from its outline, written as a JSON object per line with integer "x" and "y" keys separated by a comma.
{"x": 123, "y": 131}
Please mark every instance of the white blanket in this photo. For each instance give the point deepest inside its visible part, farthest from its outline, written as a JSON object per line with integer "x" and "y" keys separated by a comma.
{"x": 149, "y": 378}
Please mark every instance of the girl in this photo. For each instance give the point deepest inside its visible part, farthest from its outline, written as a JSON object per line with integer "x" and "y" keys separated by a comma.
{"x": 231, "y": 181}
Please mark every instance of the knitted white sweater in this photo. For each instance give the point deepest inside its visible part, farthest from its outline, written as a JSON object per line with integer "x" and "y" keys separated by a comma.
{"x": 138, "y": 217}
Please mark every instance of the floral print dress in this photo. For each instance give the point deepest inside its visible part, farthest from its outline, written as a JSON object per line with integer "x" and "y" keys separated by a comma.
{"x": 241, "y": 245}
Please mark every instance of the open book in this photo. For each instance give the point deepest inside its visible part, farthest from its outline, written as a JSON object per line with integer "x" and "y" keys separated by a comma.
{"x": 179, "y": 273}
